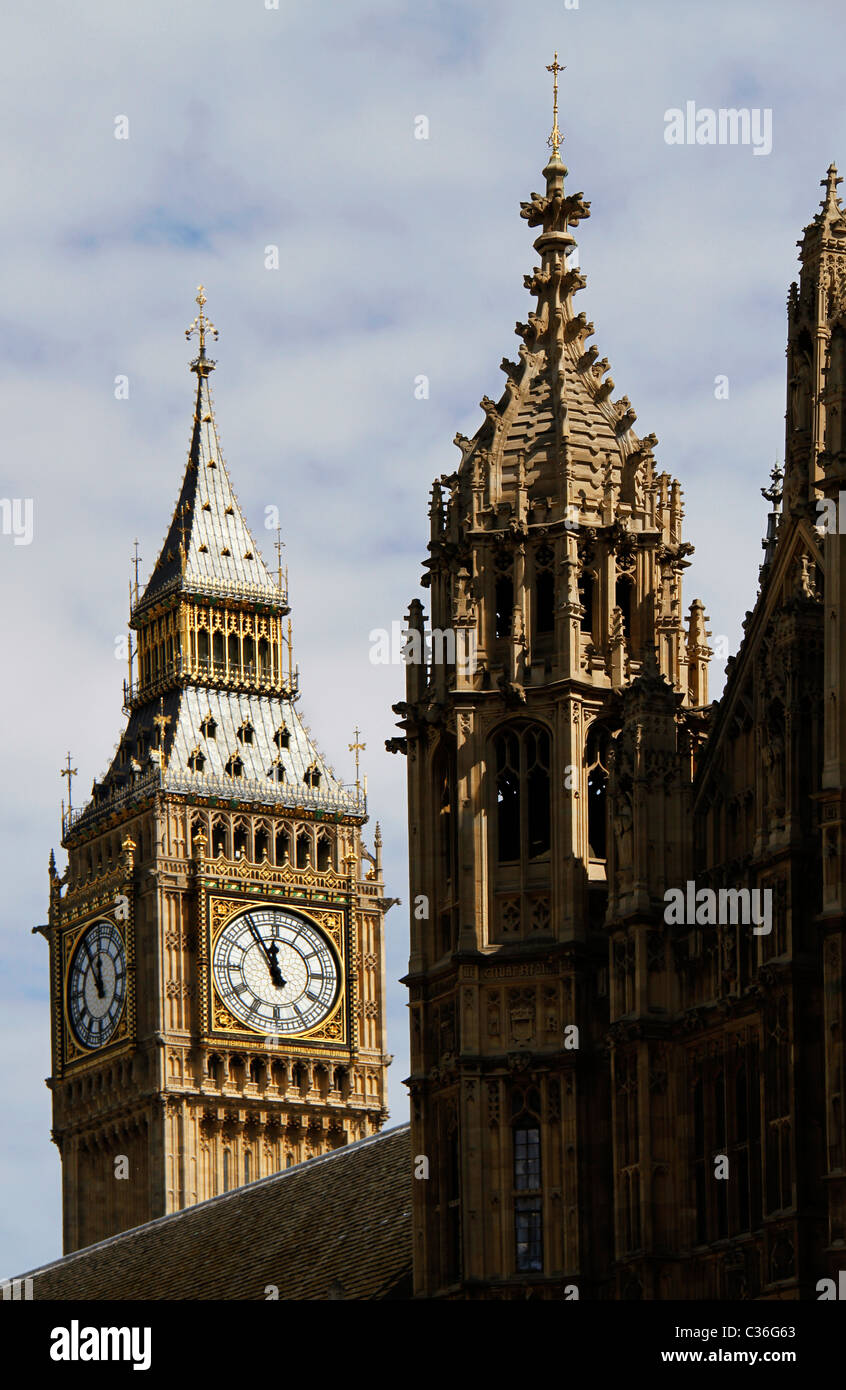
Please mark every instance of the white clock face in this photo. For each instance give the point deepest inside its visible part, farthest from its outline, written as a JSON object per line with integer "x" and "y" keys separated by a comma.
{"x": 97, "y": 984}
{"x": 275, "y": 971}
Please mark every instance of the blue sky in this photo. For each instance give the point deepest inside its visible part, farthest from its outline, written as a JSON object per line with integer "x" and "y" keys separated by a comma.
{"x": 294, "y": 127}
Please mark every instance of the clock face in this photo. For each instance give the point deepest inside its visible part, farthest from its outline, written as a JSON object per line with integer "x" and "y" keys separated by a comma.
{"x": 275, "y": 971}
{"x": 97, "y": 984}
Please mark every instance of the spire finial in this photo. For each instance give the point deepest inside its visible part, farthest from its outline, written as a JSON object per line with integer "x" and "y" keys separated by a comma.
{"x": 554, "y": 140}
{"x": 201, "y": 326}
{"x": 278, "y": 546}
{"x": 136, "y": 560}
{"x": 357, "y": 747}
{"x": 69, "y": 772}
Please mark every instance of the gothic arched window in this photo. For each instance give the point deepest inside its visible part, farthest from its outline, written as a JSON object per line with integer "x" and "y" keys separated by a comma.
{"x": 527, "y": 1181}
{"x": 596, "y": 759}
{"x": 623, "y": 600}
{"x": 523, "y": 817}
{"x": 503, "y": 595}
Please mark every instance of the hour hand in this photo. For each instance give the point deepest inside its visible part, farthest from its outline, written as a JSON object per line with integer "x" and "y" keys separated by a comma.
{"x": 271, "y": 956}
{"x": 275, "y": 972}
{"x": 96, "y": 972}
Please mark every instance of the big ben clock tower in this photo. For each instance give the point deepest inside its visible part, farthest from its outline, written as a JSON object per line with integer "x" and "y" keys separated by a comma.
{"x": 216, "y": 941}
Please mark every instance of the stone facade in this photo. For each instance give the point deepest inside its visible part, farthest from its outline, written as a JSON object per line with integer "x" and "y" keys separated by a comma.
{"x": 217, "y": 804}
{"x": 616, "y": 1102}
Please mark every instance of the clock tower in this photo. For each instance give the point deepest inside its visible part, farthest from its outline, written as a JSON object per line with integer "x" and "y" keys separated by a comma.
{"x": 216, "y": 941}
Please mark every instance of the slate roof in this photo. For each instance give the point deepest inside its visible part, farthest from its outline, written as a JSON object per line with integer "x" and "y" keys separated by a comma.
{"x": 221, "y": 554}
{"x": 338, "y": 1226}
{"x": 231, "y": 711}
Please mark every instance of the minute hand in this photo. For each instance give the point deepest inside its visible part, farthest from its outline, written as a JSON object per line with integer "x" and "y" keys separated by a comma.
{"x": 275, "y": 972}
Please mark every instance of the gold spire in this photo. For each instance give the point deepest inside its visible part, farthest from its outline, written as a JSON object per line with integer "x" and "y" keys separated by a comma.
{"x": 278, "y": 546}
{"x": 357, "y": 747}
{"x": 136, "y": 560}
{"x": 201, "y": 325}
{"x": 554, "y": 140}
{"x": 69, "y": 772}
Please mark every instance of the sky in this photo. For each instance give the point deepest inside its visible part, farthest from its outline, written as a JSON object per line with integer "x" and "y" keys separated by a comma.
{"x": 253, "y": 127}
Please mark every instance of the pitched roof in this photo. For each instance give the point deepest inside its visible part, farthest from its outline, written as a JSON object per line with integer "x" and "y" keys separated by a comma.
{"x": 264, "y": 732}
{"x": 221, "y": 556}
{"x": 338, "y": 1226}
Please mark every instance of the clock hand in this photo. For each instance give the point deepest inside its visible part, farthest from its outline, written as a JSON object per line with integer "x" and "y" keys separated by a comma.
{"x": 96, "y": 971}
{"x": 271, "y": 956}
{"x": 275, "y": 972}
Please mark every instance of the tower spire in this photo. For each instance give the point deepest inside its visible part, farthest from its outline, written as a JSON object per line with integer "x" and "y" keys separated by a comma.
{"x": 554, "y": 140}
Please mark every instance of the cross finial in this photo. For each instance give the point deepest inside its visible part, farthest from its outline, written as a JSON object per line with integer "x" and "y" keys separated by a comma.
{"x": 554, "y": 140}
{"x": 201, "y": 325}
{"x": 357, "y": 747}
{"x": 136, "y": 560}
{"x": 68, "y": 772}
{"x": 277, "y": 545}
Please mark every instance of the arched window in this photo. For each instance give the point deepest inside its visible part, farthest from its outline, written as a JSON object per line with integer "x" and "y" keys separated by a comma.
{"x": 249, "y": 655}
{"x": 324, "y": 853}
{"x": 527, "y": 1181}
{"x": 303, "y": 850}
{"x": 623, "y": 600}
{"x": 596, "y": 758}
{"x": 203, "y": 647}
{"x": 264, "y": 657}
{"x": 217, "y": 649}
{"x": 523, "y": 820}
{"x": 508, "y": 797}
{"x": 283, "y": 845}
{"x": 219, "y": 839}
{"x": 503, "y": 596}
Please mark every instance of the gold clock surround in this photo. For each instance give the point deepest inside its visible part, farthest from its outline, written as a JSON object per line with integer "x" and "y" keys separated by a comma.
{"x": 330, "y": 921}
